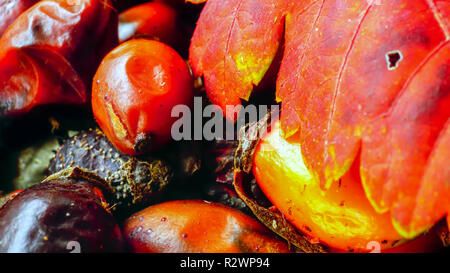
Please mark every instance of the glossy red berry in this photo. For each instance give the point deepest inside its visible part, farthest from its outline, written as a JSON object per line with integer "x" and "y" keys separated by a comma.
{"x": 56, "y": 216}
{"x": 134, "y": 91}
{"x": 193, "y": 226}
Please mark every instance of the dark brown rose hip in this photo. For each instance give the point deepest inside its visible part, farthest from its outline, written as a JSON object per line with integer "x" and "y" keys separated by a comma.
{"x": 59, "y": 215}
{"x": 135, "y": 182}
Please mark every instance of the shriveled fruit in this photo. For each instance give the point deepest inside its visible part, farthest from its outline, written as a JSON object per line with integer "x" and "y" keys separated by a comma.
{"x": 153, "y": 20}
{"x": 136, "y": 182}
{"x": 340, "y": 217}
{"x": 134, "y": 91}
{"x": 197, "y": 226}
{"x": 10, "y": 10}
{"x": 55, "y": 215}
{"x": 49, "y": 53}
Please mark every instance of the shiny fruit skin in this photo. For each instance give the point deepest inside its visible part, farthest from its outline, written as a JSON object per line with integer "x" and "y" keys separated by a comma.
{"x": 10, "y": 10}
{"x": 194, "y": 226}
{"x": 153, "y": 20}
{"x": 47, "y": 217}
{"x": 134, "y": 91}
{"x": 49, "y": 54}
{"x": 8, "y": 197}
{"x": 340, "y": 217}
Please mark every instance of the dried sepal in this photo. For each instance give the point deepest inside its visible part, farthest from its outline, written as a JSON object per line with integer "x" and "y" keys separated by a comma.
{"x": 254, "y": 198}
{"x": 249, "y": 136}
{"x": 222, "y": 155}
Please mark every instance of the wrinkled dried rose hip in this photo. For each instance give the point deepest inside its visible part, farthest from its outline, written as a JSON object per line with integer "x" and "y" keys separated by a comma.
{"x": 49, "y": 54}
{"x": 136, "y": 182}
{"x": 10, "y": 10}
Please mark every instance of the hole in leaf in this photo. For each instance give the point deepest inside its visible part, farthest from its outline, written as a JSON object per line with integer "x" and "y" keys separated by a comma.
{"x": 393, "y": 59}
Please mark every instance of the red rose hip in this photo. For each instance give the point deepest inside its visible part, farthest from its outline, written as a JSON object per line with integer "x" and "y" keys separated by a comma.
{"x": 134, "y": 91}
{"x": 194, "y": 226}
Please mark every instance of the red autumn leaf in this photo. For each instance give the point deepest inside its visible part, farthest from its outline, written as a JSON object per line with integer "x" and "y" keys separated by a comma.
{"x": 405, "y": 152}
{"x": 357, "y": 77}
{"x": 50, "y": 52}
{"x": 233, "y": 46}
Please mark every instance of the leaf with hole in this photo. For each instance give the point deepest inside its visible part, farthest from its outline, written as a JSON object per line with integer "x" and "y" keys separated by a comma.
{"x": 357, "y": 78}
